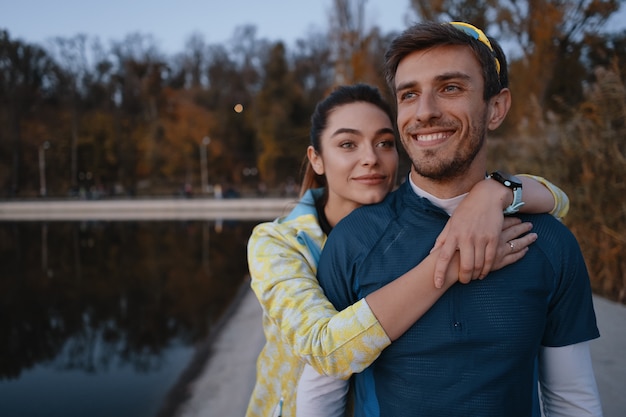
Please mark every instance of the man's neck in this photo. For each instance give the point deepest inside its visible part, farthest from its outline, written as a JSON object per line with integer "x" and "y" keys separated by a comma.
{"x": 447, "y": 188}
{"x": 446, "y": 204}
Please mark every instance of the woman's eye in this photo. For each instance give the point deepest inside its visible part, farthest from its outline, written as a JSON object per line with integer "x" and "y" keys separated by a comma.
{"x": 346, "y": 145}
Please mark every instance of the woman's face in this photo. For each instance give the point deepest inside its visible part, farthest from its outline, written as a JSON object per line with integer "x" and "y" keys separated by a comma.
{"x": 358, "y": 156}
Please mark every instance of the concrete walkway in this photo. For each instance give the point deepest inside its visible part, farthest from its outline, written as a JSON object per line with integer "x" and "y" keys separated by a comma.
{"x": 147, "y": 209}
{"x": 609, "y": 356}
{"x": 225, "y": 384}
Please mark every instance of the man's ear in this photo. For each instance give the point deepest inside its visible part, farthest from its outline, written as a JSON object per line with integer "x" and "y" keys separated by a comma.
{"x": 316, "y": 160}
{"x": 499, "y": 106}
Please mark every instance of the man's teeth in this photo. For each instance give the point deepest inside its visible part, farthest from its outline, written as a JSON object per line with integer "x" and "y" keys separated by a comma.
{"x": 431, "y": 137}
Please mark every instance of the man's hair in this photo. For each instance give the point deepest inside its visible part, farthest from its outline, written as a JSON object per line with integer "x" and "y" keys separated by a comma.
{"x": 426, "y": 35}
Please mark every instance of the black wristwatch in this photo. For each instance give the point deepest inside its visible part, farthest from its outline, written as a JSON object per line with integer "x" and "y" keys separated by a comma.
{"x": 514, "y": 183}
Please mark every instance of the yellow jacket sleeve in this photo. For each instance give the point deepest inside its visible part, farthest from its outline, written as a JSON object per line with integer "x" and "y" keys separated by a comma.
{"x": 561, "y": 201}
{"x": 282, "y": 270}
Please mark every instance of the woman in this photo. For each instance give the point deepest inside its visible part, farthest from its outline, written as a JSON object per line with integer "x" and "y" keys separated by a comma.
{"x": 354, "y": 158}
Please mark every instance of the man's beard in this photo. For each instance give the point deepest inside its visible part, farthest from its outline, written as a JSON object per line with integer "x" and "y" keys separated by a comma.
{"x": 448, "y": 170}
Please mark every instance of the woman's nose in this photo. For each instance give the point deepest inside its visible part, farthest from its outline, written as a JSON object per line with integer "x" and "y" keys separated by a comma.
{"x": 369, "y": 155}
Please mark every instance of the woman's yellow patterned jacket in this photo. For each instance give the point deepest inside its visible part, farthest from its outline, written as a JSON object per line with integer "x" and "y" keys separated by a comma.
{"x": 300, "y": 324}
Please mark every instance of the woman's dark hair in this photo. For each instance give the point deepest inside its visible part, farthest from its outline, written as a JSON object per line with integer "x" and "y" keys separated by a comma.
{"x": 426, "y": 35}
{"x": 342, "y": 95}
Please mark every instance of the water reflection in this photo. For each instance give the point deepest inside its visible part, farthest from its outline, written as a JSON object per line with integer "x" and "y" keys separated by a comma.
{"x": 100, "y": 318}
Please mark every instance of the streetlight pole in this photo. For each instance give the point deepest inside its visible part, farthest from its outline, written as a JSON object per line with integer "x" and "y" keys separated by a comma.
{"x": 42, "y": 168}
{"x": 204, "y": 173}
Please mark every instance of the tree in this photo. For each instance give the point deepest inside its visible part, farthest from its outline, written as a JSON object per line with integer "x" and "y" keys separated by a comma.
{"x": 605, "y": 51}
{"x": 232, "y": 78}
{"x": 27, "y": 76}
{"x": 356, "y": 49}
{"x": 281, "y": 120}
{"x": 313, "y": 67}
{"x": 194, "y": 59}
{"x": 140, "y": 81}
{"x": 72, "y": 55}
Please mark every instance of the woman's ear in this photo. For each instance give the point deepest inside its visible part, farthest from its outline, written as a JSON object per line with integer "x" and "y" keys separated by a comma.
{"x": 316, "y": 160}
{"x": 499, "y": 106}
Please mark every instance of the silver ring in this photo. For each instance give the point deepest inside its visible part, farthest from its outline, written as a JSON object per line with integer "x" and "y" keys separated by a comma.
{"x": 512, "y": 245}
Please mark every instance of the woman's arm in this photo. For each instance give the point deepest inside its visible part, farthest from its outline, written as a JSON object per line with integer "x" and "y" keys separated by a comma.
{"x": 282, "y": 272}
{"x": 537, "y": 201}
{"x": 403, "y": 301}
{"x": 345, "y": 342}
{"x": 473, "y": 228}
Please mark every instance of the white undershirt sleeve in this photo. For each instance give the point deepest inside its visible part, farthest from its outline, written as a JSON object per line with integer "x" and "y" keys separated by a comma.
{"x": 320, "y": 395}
{"x": 568, "y": 385}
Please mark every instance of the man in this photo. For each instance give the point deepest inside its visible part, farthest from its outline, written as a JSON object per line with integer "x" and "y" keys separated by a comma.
{"x": 476, "y": 352}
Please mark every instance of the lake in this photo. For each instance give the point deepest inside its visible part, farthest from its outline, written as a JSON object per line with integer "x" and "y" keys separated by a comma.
{"x": 101, "y": 318}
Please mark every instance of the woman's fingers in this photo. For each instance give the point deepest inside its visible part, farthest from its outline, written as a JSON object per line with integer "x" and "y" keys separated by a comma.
{"x": 510, "y": 251}
{"x": 511, "y": 228}
{"x": 514, "y": 230}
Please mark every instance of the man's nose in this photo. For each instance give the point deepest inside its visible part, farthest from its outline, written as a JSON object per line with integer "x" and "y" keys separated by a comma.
{"x": 427, "y": 108}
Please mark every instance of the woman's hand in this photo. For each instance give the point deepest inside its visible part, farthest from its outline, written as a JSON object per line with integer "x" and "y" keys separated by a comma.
{"x": 474, "y": 230}
{"x": 513, "y": 243}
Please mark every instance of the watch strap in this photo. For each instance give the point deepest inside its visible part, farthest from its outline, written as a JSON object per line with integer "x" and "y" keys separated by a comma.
{"x": 515, "y": 185}
{"x": 517, "y": 201}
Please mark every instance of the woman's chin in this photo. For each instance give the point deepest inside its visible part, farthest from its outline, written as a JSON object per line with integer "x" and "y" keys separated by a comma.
{"x": 372, "y": 198}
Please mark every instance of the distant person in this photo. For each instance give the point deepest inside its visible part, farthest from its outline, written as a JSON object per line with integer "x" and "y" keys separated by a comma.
{"x": 187, "y": 190}
{"x": 217, "y": 191}
{"x": 231, "y": 192}
{"x": 290, "y": 188}
{"x": 476, "y": 351}
{"x": 353, "y": 161}
{"x": 261, "y": 189}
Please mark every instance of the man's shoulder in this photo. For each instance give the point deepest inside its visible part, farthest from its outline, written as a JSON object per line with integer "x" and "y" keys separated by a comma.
{"x": 386, "y": 209}
{"x": 367, "y": 222}
{"x": 556, "y": 240}
{"x": 546, "y": 223}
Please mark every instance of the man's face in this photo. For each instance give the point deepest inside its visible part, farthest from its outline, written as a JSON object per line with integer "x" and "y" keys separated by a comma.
{"x": 442, "y": 116}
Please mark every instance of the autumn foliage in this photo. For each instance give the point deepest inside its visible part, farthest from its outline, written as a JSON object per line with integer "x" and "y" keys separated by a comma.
{"x": 127, "y": 120}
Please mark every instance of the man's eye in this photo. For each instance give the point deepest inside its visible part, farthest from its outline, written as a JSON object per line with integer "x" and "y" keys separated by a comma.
{"x": 407, "y": 95}
{"x": 388, "y": 143}
{"x": 451, "y": 88}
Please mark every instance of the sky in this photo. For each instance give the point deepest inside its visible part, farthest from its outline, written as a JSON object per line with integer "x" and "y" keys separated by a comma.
{"x": 172, "y": 22}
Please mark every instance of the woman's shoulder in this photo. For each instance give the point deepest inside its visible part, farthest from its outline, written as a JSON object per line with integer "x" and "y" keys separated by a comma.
{"x": 301, "y": 220}
{"x": 287, "y": 225}
{"x": 387, "y": 208}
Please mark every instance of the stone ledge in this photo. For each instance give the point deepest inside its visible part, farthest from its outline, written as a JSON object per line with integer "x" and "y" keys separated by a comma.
{"x": 148, "y": 209}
